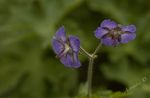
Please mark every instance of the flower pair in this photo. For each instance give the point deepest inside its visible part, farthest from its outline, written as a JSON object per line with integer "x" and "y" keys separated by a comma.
{"x": 110, "y": 33}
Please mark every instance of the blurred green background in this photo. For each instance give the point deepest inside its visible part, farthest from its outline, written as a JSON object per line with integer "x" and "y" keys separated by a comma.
{"x": 29, "y": 69}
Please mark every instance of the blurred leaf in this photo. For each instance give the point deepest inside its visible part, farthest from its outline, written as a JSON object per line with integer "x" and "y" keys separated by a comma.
{"x": 25, "y": 26}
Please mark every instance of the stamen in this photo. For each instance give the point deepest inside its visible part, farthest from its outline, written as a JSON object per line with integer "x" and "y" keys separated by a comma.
{"x": 64, "y": 51}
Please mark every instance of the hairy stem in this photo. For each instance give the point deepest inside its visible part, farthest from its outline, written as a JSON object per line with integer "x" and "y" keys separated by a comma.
{"x": 97, "y": 49}
{"x": 90, "y": 68}
{"x": 85, "y": 52}
{"x": 89, "y": 77}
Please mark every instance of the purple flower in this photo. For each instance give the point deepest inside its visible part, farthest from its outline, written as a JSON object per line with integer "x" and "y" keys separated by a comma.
{"x": 112, "y": 34}
{"x": 66, "y": 48}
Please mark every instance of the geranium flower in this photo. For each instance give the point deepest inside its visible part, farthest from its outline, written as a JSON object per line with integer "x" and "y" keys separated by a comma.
{"x": 66, "y": 48}
{"x": 111, "y": 34}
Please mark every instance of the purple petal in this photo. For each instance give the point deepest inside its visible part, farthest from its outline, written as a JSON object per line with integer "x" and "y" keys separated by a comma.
{"x": 76, "y": 63}
{"x": 57, "y": 46}
{"x": 109, "y": 24}
{"x": 125, "y": 38}
{"x": 61, "y": 34}
{"x": 100, "y": 32}
{"x": 74, "y": 43}
{"x": 108, "y": 41}
{"x": 71, "y": 60}
{"x": 129, "y": 28}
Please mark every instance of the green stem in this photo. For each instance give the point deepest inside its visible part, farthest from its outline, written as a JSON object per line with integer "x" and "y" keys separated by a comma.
{"x": 97, "y": 49}
{"x": 89, "y": 77}
{"x": 85, "y": 52}
{"x": 90, "y": 68}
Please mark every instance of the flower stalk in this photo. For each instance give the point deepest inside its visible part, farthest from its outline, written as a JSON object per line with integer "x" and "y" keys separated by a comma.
{"x": 85, "y": 52}
{"x": 90, "y": 68}
{"x": 89, "y": 77}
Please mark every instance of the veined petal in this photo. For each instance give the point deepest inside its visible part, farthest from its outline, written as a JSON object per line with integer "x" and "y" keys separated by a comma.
{"x": 74, "y": 43}
{"x": 61, "y": 34}
{"x": 129, "y": 28}
{"x": 76, "y": 61}
{"x": 109, "y": 24}
{"x": 71, "y": 60}
{"x": 108, "y": 41}
{"x": 57, "y": 46}
{"x": 100, "y": 32}
{"x": 125, "y": 38}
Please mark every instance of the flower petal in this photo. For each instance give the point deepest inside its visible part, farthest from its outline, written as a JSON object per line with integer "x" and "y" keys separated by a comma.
{"x": 129, "y": 28}
{"x": 76, "y": 61}
{"x": 57, "y": 46}
{"x": 108, "y": 41}
{"x": 61, "y": 34}
{"x": 75, "y": 43}
{"x": 125, "y": 38}
{"x": 100, "y": 32}
{"x": 109, "y": 24}
{"x": 71, "y": 60}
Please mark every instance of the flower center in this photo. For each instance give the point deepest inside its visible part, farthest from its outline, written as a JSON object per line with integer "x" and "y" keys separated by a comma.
{"x": 116, "y": 33}
{"x": 67, "y": 48}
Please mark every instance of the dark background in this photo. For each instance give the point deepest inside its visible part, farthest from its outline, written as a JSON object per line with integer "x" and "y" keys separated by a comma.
{"x": 29, "y": 69}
